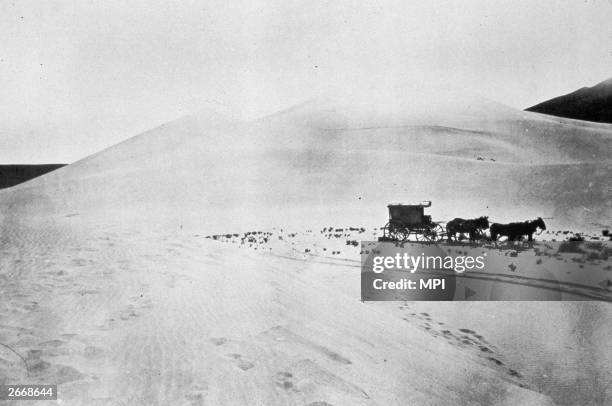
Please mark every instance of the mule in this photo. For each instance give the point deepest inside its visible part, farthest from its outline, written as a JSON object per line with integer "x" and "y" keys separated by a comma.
{"x": 472, "y": 226}
{"x": 515, "y": 231}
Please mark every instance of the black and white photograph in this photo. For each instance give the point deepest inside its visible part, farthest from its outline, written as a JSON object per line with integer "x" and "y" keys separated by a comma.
{"x": 309, "y": 203}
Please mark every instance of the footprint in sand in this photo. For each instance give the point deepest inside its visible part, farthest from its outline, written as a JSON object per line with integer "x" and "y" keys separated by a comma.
{"x": 240, "y": 360}
{"x": 306, "y": 376}
{"x": 31, "y": 306}
{"x": 34, "y": 364}
{"x": 463, "y": 337}
{"x": 473, "y": 333}
{"x": 142, "y": 301}
{"x": 197, "y": 395}
{"x": 93, "y": 352}
{"x": 52, "y": 343}
{"x": 109, "y": 324}
{"x": 64, "y": 374}
{"x": 218, "y": 340}
{"x": 54, "y": 348}
{"x": 128, "y": 313}
{"x": 284, "y": 380}
{"x": 514, "y": 373}
{"x": 496, "y": 361}
{"x": 80, "y": 262}
{"x": 470, "y": 337}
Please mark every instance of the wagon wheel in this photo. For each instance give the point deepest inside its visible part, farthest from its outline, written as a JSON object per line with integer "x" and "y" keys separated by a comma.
{"x": 402, "y": 234}
{"x": 386, "y": 231}
{"x": 393, "y": 232}
{"x": 432, "y": 234}
{"x": 438, "y": 232}
{"x": 419, "y": 235}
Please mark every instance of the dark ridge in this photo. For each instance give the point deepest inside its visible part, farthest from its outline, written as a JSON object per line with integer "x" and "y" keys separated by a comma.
{"x": 588, "y": 103}
{"x": 11, "y": 175}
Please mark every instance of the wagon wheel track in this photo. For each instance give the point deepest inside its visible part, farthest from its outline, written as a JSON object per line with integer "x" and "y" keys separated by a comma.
{"x": 540, "y": 283}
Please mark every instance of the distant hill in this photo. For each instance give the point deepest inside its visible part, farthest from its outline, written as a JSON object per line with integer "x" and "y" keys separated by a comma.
{"x": 11, "y": 175}
{"x": 588, "y": 103}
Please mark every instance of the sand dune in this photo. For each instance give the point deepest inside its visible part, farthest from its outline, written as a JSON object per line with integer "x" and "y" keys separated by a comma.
{"x": 110, "y": 292}
{"x": 322, "y": 156}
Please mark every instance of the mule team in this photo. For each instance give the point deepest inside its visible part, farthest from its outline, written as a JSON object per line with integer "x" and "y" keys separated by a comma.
{"x": 476, "y": 227}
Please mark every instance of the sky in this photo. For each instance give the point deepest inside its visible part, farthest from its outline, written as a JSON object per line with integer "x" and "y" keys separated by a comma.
{"x": 79, "y": 76}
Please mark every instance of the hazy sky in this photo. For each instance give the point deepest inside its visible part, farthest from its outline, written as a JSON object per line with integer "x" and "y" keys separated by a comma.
{"x": 78, "y": 76}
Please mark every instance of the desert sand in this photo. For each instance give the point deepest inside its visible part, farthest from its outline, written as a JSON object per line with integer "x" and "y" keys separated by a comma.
{"x": 111, "y": 289}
